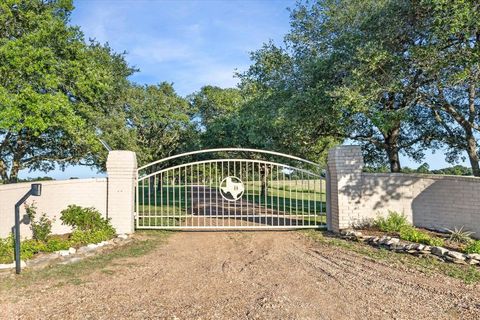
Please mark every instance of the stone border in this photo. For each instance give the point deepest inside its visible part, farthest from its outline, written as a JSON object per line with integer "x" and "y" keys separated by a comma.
{"x": 71, "y": 255}
{"x": 416, "y": 249}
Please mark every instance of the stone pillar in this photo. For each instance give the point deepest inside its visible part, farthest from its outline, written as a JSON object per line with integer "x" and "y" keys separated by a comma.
{"x": 345, "y": 165}
{"x": 122, "y": 173}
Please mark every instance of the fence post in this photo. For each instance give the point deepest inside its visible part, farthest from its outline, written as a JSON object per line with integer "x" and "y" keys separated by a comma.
{"x": 345, "y": 165}
{"x": 122, "y": 174}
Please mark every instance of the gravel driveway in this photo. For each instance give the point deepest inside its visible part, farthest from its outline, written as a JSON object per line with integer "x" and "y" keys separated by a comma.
{"x": 249, "y": 275}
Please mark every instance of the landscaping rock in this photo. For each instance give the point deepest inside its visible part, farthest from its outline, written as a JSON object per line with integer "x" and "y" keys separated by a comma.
{"x": 475, "y": 256}
{"x": 456, "y": 255}
{"x": 439, "y": 251}
{"x": 392, "y": 241}
{"x": 123, "y": 236}
{"x": 4, "y": 266}
{"x": 472, "y": 262}
{"x": 72, "y": 250}
{"x": 64, "y": 253}
{"x": 92, "y": 246}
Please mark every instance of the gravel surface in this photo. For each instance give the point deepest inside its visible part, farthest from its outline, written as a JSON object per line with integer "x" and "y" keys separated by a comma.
{"x": 249, "y": 275}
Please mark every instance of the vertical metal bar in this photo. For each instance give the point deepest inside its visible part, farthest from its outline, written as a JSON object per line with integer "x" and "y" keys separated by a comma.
{"x": 168, "y": 198}
{"x": 278, "y": 199}
{"x": 217, "y": 185}
{"x": 179, "y": 195}
{"x": 149, "y": 201}
{"x": 223, "y": 201}
{"x": 155, "y": 198}
{"x": 271, "y": 196}
{"x": 191, "y": 196}
{"x": 290, "y": 202}
{"x": 198, "y": 195}
{"x": 137, "y": 201}
{"x": 235, "y": 202}
{"x": 302, "y": 193}
{"x": 284, "y": 182}
{"x": 204, "y": 199}
{"x": 143, "y": 201}
{"x": 174, "y": 212}
{"x": 315, "y": 200}
{"x": 210, "y": 192}
{"x": 161, "y": 200}
{"x": 186, "y": 195}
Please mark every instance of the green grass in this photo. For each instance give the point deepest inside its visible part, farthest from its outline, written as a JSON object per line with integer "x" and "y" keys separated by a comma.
{"x": 427, "y": 265}
{"x": 72, "y": 273}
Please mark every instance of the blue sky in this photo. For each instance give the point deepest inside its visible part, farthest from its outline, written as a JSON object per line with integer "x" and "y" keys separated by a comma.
{"x": 187, "y": 43}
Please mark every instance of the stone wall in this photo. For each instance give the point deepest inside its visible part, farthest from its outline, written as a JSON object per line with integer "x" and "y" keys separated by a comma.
{"x": 432, "y": 201}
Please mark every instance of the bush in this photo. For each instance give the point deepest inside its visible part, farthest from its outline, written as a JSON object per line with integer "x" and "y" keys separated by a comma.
{"x": 42, "y": 227}
{"x": 393, "y": 223}
{"x": 84, "y": 219}
{"x": 30, "y": 247}
{"x": 474, "y": 247}
{"x": 56, "y": 244}
{"x": 410, "y": 233}
{"x": 80, "y": 237}
{"x": 6, "y": 250}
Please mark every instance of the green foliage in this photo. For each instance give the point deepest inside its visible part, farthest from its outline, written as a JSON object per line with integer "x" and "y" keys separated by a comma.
{"x": 55, "y": 244}
{"x": 83, "y": 219}
{"x": 394, "y": 222}
{"x": 410, "y": 233}
{"x": 6, "y": 249}
{"x": 42, "y": 227}
{"x": 474, "y": 247}
{"x": 82, "y": 237}
{"x": 460, "y": 236}
{"x": 88, "y": 225}
{"x": 30, "y": 247}
{"x": 55, "y": 89}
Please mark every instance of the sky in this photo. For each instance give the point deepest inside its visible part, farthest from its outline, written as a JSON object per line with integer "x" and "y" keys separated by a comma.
{"x": 187, "y": 43}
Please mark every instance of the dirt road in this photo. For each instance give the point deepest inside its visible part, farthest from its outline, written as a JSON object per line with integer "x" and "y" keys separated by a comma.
{"x": 250, "y": 275}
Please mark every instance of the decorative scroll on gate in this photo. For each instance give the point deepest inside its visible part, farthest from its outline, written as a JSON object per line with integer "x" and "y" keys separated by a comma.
{"x": 231, "y": 189}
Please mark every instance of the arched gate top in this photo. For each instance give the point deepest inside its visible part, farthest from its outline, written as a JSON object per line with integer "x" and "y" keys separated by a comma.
{"x": 227, "y": 150}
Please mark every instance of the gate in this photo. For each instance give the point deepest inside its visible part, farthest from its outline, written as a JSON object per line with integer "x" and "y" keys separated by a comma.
{"x": 231, "y": 188}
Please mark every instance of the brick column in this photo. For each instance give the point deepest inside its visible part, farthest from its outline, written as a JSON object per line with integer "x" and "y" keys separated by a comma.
{"x": 122, "y": 172}
{"x": 345, "y": 165}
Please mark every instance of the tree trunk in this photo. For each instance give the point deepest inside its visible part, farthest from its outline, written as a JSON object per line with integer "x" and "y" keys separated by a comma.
{"x": 391, "y": 147}
{"x": 393, "y": 159}
{"x": 472, "y": 152}
{"x": 14, "y": 172}
{"x": 264, "y": 171}
{"x": 3, "y": 172}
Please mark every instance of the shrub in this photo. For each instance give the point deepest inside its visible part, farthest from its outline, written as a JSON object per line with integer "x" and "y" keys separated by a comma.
{"x": 474, "y": 247}
{"x": 42, "y": 227}
{"x": 410, "y": 233}
{"x": 392, "y": 223}
{"x": 56, "y": 244}
{"x": 460, "y": 236}
{"x": 6, "y": 250}
{"x": 30, "y": 247}
{"x": 80, "y": 237}
{"x": 84, "y": 219}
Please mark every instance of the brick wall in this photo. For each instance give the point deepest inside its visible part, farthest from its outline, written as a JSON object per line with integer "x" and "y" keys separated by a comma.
{"x": 56, "y": 196}
{"x": 433, "y": 201}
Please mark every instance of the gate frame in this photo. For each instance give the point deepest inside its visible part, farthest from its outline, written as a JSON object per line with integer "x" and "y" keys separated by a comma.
{"x": 216, "y": 150}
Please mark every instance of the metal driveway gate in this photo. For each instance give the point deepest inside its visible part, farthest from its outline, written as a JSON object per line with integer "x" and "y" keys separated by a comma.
{"x": 231, "y": 189}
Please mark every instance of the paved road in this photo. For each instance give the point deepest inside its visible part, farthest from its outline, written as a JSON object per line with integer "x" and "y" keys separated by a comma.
{"x": 251, "y": 275}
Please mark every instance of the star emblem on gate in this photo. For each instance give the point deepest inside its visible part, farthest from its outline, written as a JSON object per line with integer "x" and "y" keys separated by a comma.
{"x": 231, "y": 188}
